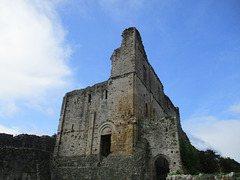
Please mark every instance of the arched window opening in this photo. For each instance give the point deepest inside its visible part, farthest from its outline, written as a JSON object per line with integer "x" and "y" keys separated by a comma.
{"x": 161, "y": 168}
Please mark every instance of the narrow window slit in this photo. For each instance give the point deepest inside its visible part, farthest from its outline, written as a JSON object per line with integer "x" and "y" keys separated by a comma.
{"x": 89, "y": 98}
{"x": 144, "y": 74}
{"x": 146, "y": 110}
{"x": 106, "y": 94}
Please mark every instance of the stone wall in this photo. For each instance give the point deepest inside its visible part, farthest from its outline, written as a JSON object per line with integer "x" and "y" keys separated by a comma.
{"x": 120, "y": 167}
{"x": 86, "y": 114}
{"x": 44, "y": 143}
{"x": 162, "y": 136}
{"x": 149, "y": 86}
{"x": 123, "y": 58}
{"x": 157, "y": 118}
{"x": 113, "y": 167}
{"x": 25, "y": 157}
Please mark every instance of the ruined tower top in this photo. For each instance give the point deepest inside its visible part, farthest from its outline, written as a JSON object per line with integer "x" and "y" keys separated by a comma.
{"x": 125, "y": 59}
{"x": 131, "y": 34}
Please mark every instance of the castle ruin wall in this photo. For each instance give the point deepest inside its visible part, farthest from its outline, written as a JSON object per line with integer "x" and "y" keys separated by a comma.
{"x": 108, "y": 122}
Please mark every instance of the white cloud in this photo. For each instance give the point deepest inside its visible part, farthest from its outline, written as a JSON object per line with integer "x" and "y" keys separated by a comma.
{"x": 35, "y": 106}
{"x": 120, "y": 9}
{"x": 198, "y": 143}
{"x": 6, "y": 130}
{"x": 235, "y": 109}
{"x": 8, "y": 108}
{"x": 21, "y": 130}
{"x": 33, "y": 58}
{"x": 221, "y": 135}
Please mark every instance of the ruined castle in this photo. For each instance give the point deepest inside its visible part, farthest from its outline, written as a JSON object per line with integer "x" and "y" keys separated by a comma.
{"x": 123, "y": 128}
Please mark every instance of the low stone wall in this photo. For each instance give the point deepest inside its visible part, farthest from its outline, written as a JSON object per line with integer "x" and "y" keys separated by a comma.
{"x": 24, "y": 163}
{"x": 97, "y": 167}
{"x": 25, "y": 157}
{"x": 44, "y": 143}
{"x": 229, "y": 176}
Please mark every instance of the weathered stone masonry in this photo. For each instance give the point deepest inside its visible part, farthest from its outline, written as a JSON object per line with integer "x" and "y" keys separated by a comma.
{"x": 25, "y": 157}
{"x": 123, "y": 128}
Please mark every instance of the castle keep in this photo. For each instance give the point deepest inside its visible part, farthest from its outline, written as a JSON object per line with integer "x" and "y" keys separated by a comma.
{"x": 123, "y": 128}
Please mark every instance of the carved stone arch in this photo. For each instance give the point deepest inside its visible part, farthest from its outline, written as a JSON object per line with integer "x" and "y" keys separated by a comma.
{"x": 106, "y": 128}
{"x": 160, "y": 166}
{"x": 162, "y": 155}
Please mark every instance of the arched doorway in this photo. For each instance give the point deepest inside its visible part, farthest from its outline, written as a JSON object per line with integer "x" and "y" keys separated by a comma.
{"x": 105, "y": 131}
{"x": 161, "y": 167}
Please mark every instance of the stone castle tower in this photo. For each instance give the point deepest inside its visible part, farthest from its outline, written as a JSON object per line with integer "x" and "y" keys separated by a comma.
{"x": 123, "y": 128}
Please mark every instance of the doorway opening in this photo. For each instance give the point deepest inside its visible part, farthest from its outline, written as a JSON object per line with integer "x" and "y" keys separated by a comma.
{"x": 105, "y": 145}
{"x": 161, "y": 168}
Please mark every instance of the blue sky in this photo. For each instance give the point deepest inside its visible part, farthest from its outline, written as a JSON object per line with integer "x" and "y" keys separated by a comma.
{"x": 50, "y": 47}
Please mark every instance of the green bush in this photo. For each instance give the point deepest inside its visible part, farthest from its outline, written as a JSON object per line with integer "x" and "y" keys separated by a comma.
{"x": 195, "y": 161}
{"x": 179, "y": 171}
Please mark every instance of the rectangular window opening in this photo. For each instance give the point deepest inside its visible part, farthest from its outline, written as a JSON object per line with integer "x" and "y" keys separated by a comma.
{"x": 105, "y": 145}
{"x": 106, "y": 94}
{"x": 89, "y": 98}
